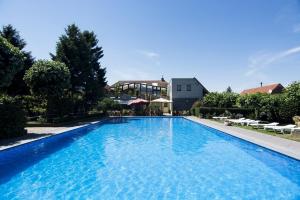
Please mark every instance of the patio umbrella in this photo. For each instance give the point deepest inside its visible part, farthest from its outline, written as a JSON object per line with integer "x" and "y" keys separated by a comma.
{"x": 137, "y": 101}
{"x": 161, "y": 100}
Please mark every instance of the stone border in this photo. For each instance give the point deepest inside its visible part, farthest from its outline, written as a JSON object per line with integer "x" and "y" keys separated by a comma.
{"x": 284, "y": 146}
{"x": 46, "y": 132}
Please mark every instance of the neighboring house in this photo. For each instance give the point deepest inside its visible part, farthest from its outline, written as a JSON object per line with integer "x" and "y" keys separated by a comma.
{"x": 184, "y": 92}
{"x": 267, "y": 89}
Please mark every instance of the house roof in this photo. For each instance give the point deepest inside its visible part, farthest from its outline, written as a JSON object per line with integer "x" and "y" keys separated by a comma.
{"x": 269, "y": 89}
{"x": 159, "y": 83}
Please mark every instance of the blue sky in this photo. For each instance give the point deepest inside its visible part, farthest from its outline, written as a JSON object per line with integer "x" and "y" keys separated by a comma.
{"x": 222, "y": 43}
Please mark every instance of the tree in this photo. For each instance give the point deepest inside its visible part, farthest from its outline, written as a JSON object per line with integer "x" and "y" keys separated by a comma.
{"x": 229, "y": 90}
{"x": 222, "y": 100}
{"x": 48, "y": 79}
{"x": 11, "y": 62}
{"x": 17, "y": 86}
{"x": 81, "y": 54}
{"x": 290, "y": 104}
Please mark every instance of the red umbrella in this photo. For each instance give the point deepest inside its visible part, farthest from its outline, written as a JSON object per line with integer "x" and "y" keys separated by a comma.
{"x": 137, "y": 101}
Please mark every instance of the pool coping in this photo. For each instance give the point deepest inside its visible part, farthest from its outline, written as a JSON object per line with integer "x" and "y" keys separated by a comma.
{"x": 284, "y": 146}
{"x": 53, "y": 133}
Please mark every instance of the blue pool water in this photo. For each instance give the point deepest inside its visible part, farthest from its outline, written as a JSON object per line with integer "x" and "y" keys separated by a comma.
{"x": 146, "y": 158}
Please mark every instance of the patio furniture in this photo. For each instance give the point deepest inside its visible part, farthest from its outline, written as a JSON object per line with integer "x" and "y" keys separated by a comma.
{"x": 258, "y": 125}
{"x": 220, "y": 118}
{"x": 292, "y": 130}
{"x": 279, "y": 128}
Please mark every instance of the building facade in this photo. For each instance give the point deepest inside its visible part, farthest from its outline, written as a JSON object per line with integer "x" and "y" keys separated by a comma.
{"x": 142, "y": 88}
{"x": 183, "y": 92}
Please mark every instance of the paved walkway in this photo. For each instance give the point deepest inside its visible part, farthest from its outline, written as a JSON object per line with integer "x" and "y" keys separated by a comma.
{"x": 36, "y": 133}
{"x": 281, "y": 145}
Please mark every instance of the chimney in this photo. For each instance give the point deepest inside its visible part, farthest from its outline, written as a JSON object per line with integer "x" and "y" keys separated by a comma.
{"x": 260, "y": 84}
{"x": 162, "y": 78}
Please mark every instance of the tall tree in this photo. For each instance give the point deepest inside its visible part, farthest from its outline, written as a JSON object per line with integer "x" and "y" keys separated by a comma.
{"x": 81, "y": 54}
{"x": 17, "y": 86}
{"x": 229, "y": 90}
{"x": 11, "y": 62}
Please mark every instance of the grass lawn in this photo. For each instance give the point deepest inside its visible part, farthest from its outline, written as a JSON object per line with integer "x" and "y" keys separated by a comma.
{"x": 294, "y": 136}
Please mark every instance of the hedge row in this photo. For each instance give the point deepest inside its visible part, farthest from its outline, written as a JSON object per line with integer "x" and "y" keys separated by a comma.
{"x": 208, "y": 112}
{"x": 12, "y": 121}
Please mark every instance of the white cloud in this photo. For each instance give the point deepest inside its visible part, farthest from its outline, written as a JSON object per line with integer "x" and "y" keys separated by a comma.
{"x": 296, "y": 28}
{"x": 149, "y": 54}
{"x": 130, "y": 74}
{"x": 263, "y": 59}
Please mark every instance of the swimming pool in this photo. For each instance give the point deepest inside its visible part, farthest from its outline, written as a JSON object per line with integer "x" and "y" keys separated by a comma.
{"x": 146, "y": 158}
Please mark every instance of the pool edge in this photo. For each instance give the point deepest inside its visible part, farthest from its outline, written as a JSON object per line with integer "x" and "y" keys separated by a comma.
{"x": 279, "y": 147}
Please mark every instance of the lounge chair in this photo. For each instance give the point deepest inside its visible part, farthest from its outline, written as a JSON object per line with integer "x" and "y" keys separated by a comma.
{"x": 220, "y": 118}
{"x": 236, "y": 120}
{"x": 246, "y": 122}
{"x": 253, "y": 122}
{"x": 292, "y": 130}
{"x": 280, "y": 128}
{"x": 258, "y": 125}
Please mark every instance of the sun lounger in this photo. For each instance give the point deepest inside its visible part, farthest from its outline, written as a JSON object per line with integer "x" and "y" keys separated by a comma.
{"x": 246, "y": 122}
{"x": 236, "y": 120}
{"x": 280, "y": 128}
{"x": 253, "y": 122}
{"x": 258, "y": 125}
{"x": 292, "y": 130}
{"x": 220, "y": 118}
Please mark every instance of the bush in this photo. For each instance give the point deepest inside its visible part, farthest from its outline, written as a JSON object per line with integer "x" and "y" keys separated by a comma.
{"x": 12, "y": 120}
{"x": 49, "y": 80}
{"x": 296, "y": 119}
{"x": 107, "y": 104}
{"x": 209, "y": 112}
{"x": 222, "y": 100}
{"x": 154, "y": 110}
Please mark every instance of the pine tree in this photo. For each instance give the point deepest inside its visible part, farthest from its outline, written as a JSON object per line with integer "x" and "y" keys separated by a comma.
{"x": 81, "y": 54}
{"x": 229, "y": 90}
{"x": 17, "y": 86}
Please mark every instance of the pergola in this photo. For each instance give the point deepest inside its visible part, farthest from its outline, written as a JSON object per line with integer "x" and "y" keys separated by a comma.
{"x": 143, "y": 87}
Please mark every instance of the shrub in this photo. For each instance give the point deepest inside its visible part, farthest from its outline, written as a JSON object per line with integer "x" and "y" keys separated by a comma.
{"x": 296, "y": 119}
{"x": 222, "y": 100}
{"x": 49, "y": 80}
{"x": 12, "y": 119}
{"x": 154, "y": 110}
{"x": 208, "y": 112}
{"x": 108, "y": 104}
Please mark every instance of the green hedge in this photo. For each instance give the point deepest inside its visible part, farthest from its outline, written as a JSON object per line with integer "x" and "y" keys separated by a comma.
{"x": 209, "y": 112}
{"x": 12, "y": 121}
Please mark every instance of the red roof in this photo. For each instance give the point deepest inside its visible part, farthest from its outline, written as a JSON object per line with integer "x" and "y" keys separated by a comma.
{"x": 269, "y": 89}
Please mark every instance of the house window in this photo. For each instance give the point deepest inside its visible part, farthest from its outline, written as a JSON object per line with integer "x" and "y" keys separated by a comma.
{"x": 178, "y": 87}
{"x": 188, "y": 87}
